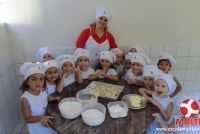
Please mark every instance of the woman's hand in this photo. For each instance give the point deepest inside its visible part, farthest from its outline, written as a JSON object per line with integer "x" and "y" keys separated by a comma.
{"x": 46, "y": 121}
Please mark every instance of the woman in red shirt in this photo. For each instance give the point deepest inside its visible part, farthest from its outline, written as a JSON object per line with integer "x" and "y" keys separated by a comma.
{"x": 96, "y": 37}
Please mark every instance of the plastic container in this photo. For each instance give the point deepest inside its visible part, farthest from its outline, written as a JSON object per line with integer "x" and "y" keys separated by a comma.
{"x": 87, "y": 96}
{"x": 70, "y": 108}
{"x": 117, "y": 109}
{"x": 93, "y": 113}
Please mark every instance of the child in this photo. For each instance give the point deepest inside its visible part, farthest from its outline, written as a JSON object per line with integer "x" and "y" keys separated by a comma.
{"x": 119, "y": 64}
{"x": 138, "y": 49}
{"x": 105, "y": 68}
{"x": 44, "y": 54}
{"x": 134, "y": 75}
{"x": 69, "y": 74}
{"x": 195, "y": 96}
{"x": 135, "y": 48}
{"x": 150, "y": 72}
{"x": 52, "y": 78}
{"x": 82, "y": 61}
{"x": 128, "y": 64}
{"x": 163, "y": 85}
{"x": 165, "y": 64}
{"x": 34, "y": 99}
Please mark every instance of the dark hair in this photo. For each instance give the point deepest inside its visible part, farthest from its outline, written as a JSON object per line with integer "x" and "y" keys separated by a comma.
{"x": 164, "y": 60}
{"x": 24, "y": 86}
{"x": 94, "y": 24}
{"x": 100, "y": 67}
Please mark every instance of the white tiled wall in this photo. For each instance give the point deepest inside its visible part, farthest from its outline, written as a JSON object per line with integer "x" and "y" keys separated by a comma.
{"x": 9, "y": 94}
{"x": 186, "y": 68}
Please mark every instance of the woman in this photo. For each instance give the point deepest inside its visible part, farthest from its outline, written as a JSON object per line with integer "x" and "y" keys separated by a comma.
{"x": 96, "y": 37}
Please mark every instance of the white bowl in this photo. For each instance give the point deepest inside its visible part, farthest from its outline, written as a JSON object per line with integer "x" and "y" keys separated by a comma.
{"x": 93, "y": 113}
{"x": 87, "y": 96}
{"x": 70, "y": 108}
{"x": 117, "y": 109}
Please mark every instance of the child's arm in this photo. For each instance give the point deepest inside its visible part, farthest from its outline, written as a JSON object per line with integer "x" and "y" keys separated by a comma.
{"x": 111, "y": 77}
{"x": 145, "y": 92}
{"x": 178, "y": 88}
{"x": 136, "y": 82}
{"x": 60, "y": 85}
{"x": 44, "y": 120}
{"x": 95, "y": 75}
{"x": 160, "y": 121}
{"x": 166, "y": 115}
{"x": 53, "y": 98}
{"x": 78, "y": 75}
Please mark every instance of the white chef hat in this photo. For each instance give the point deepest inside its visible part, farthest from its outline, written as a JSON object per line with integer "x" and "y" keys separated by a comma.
{"x": 167, "y": 56}
{"x": 151, "y": 71}
{"x": 51, "y": 63}
{"x": 29, "y": 68}
{"x": 116, "y": 51}
{"x": 128, "y": 56}
{"x": 41, "y": 52}
{"x": 146, "y": 58}
{"x": 108, "y": 55}
{"x": 65, "y": 58}
{"x": 102, "y": 11}
{"x": 138, "y": 48}
{"x": 170, "y": 82}
{"x": 81, "y": 52}
{"x": 138, "y": 58}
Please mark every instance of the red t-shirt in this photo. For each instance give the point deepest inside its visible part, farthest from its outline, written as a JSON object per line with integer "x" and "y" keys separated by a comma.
{"x": 85, "y": 34}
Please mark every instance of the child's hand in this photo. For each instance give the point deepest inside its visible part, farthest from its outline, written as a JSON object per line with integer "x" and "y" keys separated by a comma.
{"x": 52, "y": 98}
{"x": 77, "y": 70}
{"x": 157, "y": 117}
{"x": 153, "y": 101}
{"x": 147, "y": 98}
{"x": 46, "y": 121}
{"x": 64, "y": 74}
{"x": 103, "y": 72}
{"x": 131, "y": 81}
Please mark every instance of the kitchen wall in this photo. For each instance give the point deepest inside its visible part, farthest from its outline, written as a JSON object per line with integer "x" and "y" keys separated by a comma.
{"x": 9, "y": 96}
{"x": 171, "y": 25}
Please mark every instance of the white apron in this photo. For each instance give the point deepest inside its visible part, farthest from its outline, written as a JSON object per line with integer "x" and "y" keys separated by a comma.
{"x": 38, "y": 106}
{"x": 94, "y": 48}
{"x": 50, "y": 89}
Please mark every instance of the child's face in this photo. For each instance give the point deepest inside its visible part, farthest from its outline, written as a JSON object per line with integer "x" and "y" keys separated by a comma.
{"x": 161, "y": 87}
{"x": 105, "y": 63}
{"x": 133, "y": 50}
{"x": 83, "y": 63}
{"x": 35, "y": 82}
{"x": 47, "y": 57}
{"x": 137, "y": 67}
{"x": 67, "y": 67}
{"x": 120, "y": 57}
{"x": 52, "y": 74}
{"x": 148, "y": 81}
{"x": 165, "y": 66}
{"x": 128, "y": 64}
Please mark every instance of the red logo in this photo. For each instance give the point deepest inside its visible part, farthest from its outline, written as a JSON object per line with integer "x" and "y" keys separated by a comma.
{"x": 189, "y": 108}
